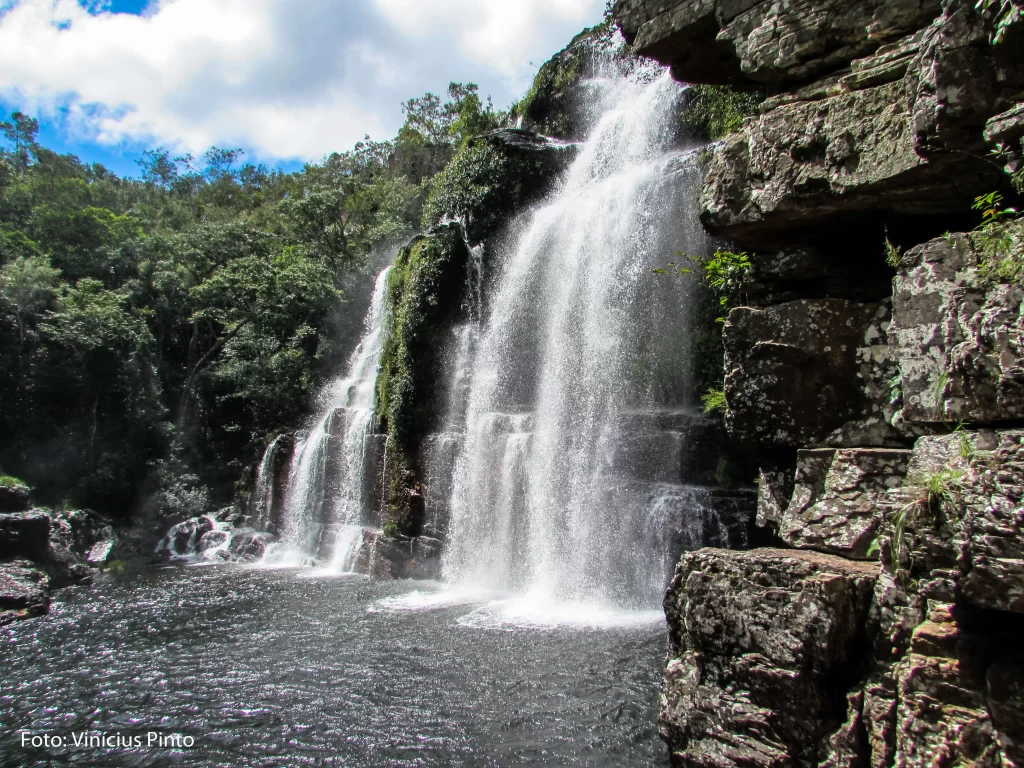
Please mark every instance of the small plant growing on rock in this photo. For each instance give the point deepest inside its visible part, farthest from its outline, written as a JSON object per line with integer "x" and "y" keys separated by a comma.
{"x": 390, "y": 529}
{"x": 715, "y": 111}
{"x": 999, "y": 240}
{"x": 724, "y": 272}
{"x": 714, "y": 400}
{"x": 931, "y": 492}
{"x": 892, "y": 253}
{"x": 1006, "y": 13}
{"x": 964, "y": 446}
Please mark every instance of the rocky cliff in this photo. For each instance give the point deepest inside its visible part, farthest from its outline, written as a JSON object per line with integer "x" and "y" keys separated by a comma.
{"x": 877, "y": 375}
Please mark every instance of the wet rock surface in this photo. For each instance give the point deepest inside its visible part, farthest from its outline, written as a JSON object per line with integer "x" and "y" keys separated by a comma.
{"x": 25, "y": 534}
{"x": 809, "y": 372}
{"x": 15, "y": 498}
{"x": 24, "y": 591}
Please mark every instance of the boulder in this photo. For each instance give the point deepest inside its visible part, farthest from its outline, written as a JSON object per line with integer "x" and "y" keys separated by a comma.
{"x": 760, "y": 643}
{"x": 25, "y": 535}
{"x": 810, "y": 373}
{"x": 24, "y": 591}
{"x": 249, "y": 546}
{"x": 957, "y": 336}
{"x": 773, "y": 42}
{"x": 15, "y": 498}
{"x": 841, "y": 498}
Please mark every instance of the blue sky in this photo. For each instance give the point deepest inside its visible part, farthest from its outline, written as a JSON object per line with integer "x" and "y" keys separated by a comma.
{"x": 286, "y": 80}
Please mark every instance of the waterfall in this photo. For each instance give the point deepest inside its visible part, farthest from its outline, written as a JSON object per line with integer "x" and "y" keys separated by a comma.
{"x": 263, "y": 494}
{"x": 577, "y": 335}
{"x": 325, "y": 503}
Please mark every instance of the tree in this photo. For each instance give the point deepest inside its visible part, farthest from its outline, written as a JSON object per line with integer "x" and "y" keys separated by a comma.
{"x": 21, "y": 131}
{"x": 157, "y": 168}
{"x": 27, "y": 287}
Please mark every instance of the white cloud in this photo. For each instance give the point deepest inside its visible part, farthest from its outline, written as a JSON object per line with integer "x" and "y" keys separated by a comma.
{"x": 285, "y": 78}
{"x": 502, "y": 34}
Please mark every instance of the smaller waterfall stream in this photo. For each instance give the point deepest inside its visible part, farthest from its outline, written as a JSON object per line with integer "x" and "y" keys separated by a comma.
{"x": 325, "y": 500}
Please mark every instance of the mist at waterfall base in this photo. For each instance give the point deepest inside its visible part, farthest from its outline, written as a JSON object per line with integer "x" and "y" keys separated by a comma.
{"x": 297, "y": 667}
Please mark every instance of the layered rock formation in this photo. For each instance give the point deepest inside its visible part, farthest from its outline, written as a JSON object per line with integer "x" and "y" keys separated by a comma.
{"x": 41, "y": 549}
{"x": 883, "y": 413}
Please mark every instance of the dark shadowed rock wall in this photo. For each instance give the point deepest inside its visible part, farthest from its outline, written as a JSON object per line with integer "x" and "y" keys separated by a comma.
{"x": 877, "y": 374}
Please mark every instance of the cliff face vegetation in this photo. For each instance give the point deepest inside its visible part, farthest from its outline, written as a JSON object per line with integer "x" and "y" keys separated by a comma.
{"x": 875, "y": 371}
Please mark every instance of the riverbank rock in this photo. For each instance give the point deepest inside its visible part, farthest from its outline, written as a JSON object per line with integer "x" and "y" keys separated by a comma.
{"x": 25, "y": 535}
{"x": 15, "y": 498}
{"x": 757, "y": 644}
{"x": 24, "y": 591}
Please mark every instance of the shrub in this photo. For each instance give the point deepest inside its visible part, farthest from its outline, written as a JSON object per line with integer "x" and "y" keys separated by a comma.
{"x": 714, "y": 111}
{"x": 6, "y": 481}
{"x": 714, "y": 400}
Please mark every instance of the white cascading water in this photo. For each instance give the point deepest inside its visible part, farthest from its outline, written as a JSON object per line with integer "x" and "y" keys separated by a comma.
{"x": 263, "y": 494}
{"x": 325, "y": 501}
{"x": 574, "y": 328}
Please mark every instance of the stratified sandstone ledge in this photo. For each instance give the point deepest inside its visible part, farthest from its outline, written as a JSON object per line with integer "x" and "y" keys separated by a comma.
{"x": 760, "y": 644}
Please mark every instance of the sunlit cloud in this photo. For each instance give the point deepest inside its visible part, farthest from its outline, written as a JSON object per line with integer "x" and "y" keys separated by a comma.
{"x": 286, "y": 79}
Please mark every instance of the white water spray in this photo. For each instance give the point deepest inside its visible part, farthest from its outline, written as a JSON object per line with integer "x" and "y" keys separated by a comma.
{"x": 325, "y": 503}
{"x": 574, "y": 342}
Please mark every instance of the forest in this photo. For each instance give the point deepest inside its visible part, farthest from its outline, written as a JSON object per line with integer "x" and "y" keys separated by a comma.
{"x": 156, "y": 331}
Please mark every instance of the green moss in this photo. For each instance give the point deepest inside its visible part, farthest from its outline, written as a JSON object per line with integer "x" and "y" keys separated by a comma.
{"x": 484, "y": 184}
{"x": 424, "y": 293}
{"x": 548, "y": 105}
{"x": 728, "y": 474}
{"x": 714, "y": 111}
{"x": 6, "y": 481}
{"x": 468, "y": 187}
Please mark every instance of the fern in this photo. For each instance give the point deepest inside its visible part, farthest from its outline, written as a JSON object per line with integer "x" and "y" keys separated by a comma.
{"x": 714, "y": 400}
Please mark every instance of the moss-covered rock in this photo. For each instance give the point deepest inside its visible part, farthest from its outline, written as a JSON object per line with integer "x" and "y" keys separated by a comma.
{"x": 712, "y": 112}
{"x": 491, "y": 178}
{"x": 424, "y": 294}
{"x": 555, "y": 103}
